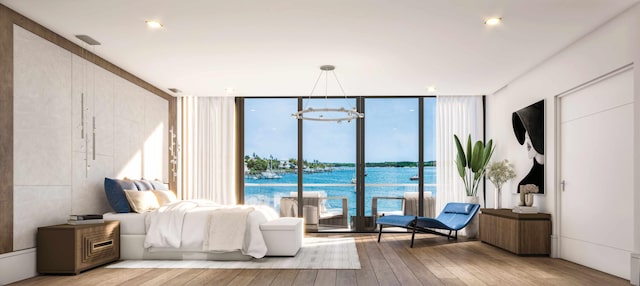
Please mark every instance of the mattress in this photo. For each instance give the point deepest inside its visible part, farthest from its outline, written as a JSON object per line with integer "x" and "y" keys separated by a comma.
{"x": 130, "y": 223}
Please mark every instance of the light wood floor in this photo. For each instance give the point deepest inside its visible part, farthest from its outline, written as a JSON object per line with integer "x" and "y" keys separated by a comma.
{"x": 432, "y": 261}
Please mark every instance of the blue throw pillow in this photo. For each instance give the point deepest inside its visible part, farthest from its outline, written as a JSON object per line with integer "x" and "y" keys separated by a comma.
{"x": 458, "y": 208}
{"x": 114, "y": 189}
{"x": 158, "y": 185}
{"x": 143, "y": 185}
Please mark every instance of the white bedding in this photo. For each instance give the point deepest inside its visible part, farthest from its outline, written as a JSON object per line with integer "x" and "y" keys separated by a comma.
{"x": 188, "y": 227}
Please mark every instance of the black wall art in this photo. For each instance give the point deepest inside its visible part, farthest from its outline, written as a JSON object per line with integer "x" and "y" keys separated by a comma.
{"x": 528, "y": 126}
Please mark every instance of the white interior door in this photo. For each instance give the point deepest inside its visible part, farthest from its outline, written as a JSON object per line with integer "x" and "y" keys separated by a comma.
{"x": 596, "y": 168}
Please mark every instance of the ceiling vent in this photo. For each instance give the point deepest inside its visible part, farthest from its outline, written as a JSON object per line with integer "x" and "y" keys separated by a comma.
{"x": 89, "y": 40}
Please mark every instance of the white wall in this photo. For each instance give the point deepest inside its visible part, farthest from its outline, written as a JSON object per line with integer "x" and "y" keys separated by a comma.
{"x": 611, "y": 46}
{"x": 51, "y": 180}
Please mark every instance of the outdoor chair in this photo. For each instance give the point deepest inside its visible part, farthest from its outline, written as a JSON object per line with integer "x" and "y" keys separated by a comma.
{"x": 316, "y": 211}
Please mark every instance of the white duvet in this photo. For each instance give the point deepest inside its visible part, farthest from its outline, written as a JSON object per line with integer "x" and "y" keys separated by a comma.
{"x": 200, "y": 226}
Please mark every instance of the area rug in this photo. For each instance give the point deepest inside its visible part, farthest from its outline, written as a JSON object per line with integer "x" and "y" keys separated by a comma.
{"x": 316, "y": 253}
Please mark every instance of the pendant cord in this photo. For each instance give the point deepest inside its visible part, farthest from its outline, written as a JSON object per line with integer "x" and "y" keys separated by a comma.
{"x": 313, "y": 89}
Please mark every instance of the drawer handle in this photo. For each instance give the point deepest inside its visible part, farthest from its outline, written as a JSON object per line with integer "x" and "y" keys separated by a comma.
{"x": 103, "y": 244}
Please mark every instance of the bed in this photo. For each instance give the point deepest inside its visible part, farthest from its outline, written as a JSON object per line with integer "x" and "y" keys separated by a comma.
{"x": 193, "y": 230}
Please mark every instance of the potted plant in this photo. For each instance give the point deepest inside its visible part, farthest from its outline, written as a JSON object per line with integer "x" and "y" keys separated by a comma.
{"x": 498, "y": 173}
{"x": 471, "y": 167}
{"x": 473, "y": 164}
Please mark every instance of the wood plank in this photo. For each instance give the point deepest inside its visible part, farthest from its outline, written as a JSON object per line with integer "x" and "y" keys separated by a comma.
{"x": 184, "y": 277}
{"x": 305, "y": 277}
{"x": 6, "y": 128}
{"x": 326, "y": 277}
{"x": 153, "y": 277}
{"x": 346, "y": 277}
{"x": 173, "y": 123}
{"x": 421, "y": 272}
{"x": 214, "y": 277}
{"x": 243, "y": 278}
{"x": 381, "y": 267}
{"x": 265, "y": 277}
{"x": 397, "y": 265}
{"x": 365, "y": 276}
{"x": 285, "y": 277}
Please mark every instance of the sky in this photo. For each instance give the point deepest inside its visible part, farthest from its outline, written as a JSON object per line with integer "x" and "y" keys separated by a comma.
{"x": 391, "y": 130}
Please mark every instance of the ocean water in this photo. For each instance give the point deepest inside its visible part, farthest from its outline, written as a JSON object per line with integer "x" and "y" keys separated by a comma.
{"x": 379, "y": 182}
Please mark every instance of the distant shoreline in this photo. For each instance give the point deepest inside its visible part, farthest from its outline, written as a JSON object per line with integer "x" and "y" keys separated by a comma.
{"x": 401, "y": 164}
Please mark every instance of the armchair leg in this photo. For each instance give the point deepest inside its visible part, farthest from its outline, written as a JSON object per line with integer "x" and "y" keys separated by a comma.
{"x": 413, "y": 235}
{"x": 413, "y": 229}
{"x": 380, "y": 234}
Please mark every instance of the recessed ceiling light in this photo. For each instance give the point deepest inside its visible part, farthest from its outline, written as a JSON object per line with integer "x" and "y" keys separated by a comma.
{"x": 493, "y": 21}
{"x": 431, "y": 89}
{"x": 153, "y": 24}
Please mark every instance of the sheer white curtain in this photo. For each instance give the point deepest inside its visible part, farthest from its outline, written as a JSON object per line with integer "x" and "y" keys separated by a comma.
{"x": 460, "y": 115}
{"x": 208, "y": 148}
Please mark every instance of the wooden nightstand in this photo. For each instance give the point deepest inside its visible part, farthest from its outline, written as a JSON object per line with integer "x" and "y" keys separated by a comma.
{"x": 74, "y": 248}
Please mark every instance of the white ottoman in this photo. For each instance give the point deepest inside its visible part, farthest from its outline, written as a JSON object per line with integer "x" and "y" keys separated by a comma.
{"x": 283, "y": 236}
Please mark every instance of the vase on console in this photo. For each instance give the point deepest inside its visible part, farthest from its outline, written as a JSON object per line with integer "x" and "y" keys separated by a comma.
{"x": 526, "y": 194}
{"x": 498, "y": 173}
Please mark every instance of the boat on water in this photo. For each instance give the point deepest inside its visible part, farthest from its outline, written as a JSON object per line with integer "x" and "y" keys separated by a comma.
{"x": 269, "y": 174}
{"x": 414, "y": 178}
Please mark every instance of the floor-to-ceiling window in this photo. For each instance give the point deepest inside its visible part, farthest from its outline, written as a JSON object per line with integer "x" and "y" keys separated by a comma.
{"x": 391, "y": 155}
{"x": 270, "y": 148}
{"x": 392, "y": 136}
{"x": 329, "y": 152}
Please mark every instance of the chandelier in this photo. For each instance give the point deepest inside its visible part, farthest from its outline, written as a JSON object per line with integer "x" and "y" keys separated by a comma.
{"x": 337, "y": 114}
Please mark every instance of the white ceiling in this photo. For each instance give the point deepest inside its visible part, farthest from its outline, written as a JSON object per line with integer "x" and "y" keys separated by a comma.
{"x": 275, "y": 47}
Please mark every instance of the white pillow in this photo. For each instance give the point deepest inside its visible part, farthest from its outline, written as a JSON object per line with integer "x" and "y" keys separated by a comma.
{"x": 141, "y": 201}
{"x": 164, "y": 197}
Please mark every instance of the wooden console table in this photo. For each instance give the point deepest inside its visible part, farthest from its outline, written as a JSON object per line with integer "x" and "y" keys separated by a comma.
{"x": 522, "y": 234}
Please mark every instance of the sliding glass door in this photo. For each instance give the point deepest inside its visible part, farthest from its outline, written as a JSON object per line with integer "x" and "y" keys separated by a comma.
{"x": 329, "y": 152}
{"x": 391, "y": 156}
{"x": 288, "y": 160}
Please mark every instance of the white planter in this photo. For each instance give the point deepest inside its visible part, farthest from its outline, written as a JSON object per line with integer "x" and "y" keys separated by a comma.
{"x": 471, "y": 231}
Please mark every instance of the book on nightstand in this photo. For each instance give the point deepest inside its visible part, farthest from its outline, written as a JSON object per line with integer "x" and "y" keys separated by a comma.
{"x": 85, "y": 221}
{"x": 85, "y": 216}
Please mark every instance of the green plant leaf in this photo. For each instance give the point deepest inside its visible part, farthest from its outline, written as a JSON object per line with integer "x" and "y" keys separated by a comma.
{"x": 461, "y": 169}
{"x": 488, "y": 152}
{"x": 477, "y": 158}
{"x": 469, "y": 155}
{"x": 461, "y": 161}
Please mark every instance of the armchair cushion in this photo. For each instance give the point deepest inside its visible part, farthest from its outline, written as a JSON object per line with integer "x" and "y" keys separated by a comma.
{"x": 458, "y": 208}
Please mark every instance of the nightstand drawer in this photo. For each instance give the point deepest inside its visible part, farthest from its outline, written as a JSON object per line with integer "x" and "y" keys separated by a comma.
{"x": 75, "y": 248}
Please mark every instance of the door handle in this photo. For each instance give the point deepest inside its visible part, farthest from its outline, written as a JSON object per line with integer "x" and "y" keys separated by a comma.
{"x": 562, "y": 183}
